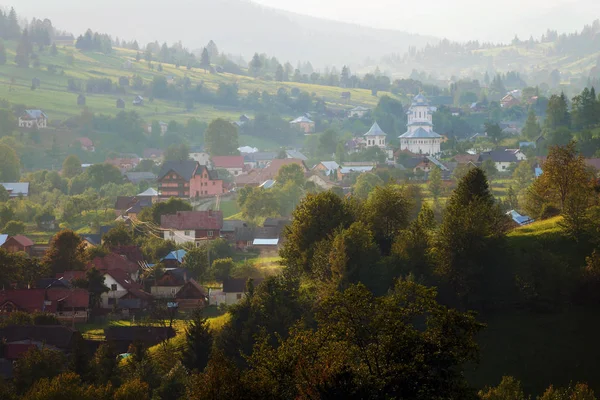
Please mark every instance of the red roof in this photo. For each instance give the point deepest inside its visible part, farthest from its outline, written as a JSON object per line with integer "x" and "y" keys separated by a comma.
{"x": 28, "y": 300}
{"x": 79, "y": 298}
{"x": 22, "y": 240}
{"x": 85, "y": 142}
{"x": 113, "y": 261}
{"x": 133, "y": 253}
{"x": 192, "y": 220}
{"x": 228, "y": 161}
{"x": 258, "y": 176}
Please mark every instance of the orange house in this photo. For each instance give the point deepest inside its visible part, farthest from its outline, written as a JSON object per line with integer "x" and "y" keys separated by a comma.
{"x": 205, "y": 182}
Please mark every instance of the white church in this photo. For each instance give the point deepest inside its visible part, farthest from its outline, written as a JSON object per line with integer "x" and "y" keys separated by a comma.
{"x": 420, "y": 137}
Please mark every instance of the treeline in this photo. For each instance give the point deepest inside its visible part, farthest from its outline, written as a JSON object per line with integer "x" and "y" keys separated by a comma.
{"x": 94, "y": 41}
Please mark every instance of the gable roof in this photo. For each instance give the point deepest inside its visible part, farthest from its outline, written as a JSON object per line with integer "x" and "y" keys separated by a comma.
{"x": 193, "y": 286}
{"x": 301, "y": 119}
{"x": 329, "y": 165}
{"x": 498, "y": 156}
{"x": 148, "y": 193}
{"x": 259, "y": 156}
{"x": 238, "y": 285}
{"x": 22, "y": 240}
{"x": 228, "y": 161}
{"x": 191, "y": 220}
{"x": 232, "y": 224}
{"x": 34, "y": 114}
{"x": 420, "y": 100}
{"x": 58, "y": 336}
{"x": 92, "y": 238}
{"x": 137, "y": 177}
{"x": 184, "y": 169}
{"x": 124, "y": 202}
{"x": 15, "y": 189}
{"x": 295, "y": 154}
{"x": 375, "y": 131}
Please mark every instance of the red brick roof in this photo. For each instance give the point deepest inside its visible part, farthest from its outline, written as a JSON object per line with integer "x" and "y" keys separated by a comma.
{"x": 228, "y": 161}
{"x": 192, "y": 220}
{"x": 113, "y": 261}
{"x": 134, "y": 288}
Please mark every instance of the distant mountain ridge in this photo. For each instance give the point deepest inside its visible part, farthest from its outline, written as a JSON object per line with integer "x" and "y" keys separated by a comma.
{"x": 238, "y": 27}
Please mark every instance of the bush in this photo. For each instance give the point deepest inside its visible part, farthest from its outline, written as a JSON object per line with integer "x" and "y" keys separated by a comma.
{"x": 13, "y": 228}
{"x": 549, "y": 211}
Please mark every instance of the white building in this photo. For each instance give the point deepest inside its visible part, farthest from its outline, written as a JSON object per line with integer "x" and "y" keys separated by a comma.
{"x": 358, "y": 112}
{"x": 420, "y": 137}
{"x": 375, "y": 137}
{"x": 33, "y": 118}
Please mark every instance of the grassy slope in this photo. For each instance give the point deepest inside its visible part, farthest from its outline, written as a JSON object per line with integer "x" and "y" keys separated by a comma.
{"x": 539, "y": 348}
{"x": 53, "y": 97}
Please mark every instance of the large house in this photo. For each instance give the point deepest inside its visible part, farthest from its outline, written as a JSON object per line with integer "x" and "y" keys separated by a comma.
{"x": 33, "y": 118}
{"x": 192, "y": 226}
{"x": 188, "y": 179}
{"x": 259, "y": 159}
{"x": 420, "y": 137}
{"x": 304, "y": 124}
{"x": 15, "y": 244}
{"x": 375, "y": 137}
{"x": 233, "y": 164}
{"x": 502, "y": 159}
{"x": 67, "y": 304}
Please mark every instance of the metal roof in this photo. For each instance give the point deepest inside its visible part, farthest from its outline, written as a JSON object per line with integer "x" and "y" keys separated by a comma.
{"x": 301, "y": 119}
{"x": 3, "y": 239}
{"x": 149, "y": 192}
{"x": 420, "y": 134}
{"x": 375, "y": 131}
{"x": 177, "y": 255}
{"x": 296, "y": 154}
{"x": 268, "y": 184}
{"x": 420, "y": 100}
{"x": 265, "y": 242}
{"x": 347, "y": 170}
{"x": 15, "y": 189}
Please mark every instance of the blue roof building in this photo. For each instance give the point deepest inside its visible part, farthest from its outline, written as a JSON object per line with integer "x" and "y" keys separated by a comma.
{"x": 420, "y": 137}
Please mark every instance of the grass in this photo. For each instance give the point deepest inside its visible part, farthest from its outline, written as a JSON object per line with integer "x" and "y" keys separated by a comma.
{"x": 229, "y": 208}
{"x": 53, "y": 97}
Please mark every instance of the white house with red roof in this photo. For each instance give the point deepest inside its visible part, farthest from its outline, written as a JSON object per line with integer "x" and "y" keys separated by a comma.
{"x": 192, "y": 226}
{"x": 233, "y": 164}
{"x": 86, "y": 144}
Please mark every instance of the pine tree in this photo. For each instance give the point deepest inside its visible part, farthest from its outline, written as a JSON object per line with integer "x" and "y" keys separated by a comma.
{"x": 53, "y": 50}
{"x": 13, "y": 31}
{"x": 198, "y": 343}
{"x": 279, "y": 73}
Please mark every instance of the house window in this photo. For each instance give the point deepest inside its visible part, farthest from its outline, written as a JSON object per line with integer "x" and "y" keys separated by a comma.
{"x": 112, "y": 301}
{"x": 187, "y": 233}
{"x": 171, "y": 233}
{"x": 113, "y": 287}
{"x": 209, "y": 233}
{"x": 239, "y": 296}
{"x": 173, "y": 290}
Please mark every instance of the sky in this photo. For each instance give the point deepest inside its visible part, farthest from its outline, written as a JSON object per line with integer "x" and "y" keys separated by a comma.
{"x": 455, "y": 19}
{"x": 461, "y": 20}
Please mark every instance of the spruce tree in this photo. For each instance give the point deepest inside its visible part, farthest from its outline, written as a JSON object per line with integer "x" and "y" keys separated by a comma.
{"x": 205, "y": 59}
{"x": 23, "y": 50}
{"x": 198, "y": 343}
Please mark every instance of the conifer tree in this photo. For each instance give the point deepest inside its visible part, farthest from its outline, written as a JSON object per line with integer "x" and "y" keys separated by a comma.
{"x": 198, "y": 343}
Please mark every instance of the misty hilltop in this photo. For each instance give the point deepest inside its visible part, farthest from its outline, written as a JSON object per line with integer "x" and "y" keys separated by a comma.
{"x": 239, "y": 27}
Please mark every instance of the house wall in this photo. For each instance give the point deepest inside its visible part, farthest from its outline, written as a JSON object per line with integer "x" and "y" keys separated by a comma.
{"x": 502, "y": 166}
{"x": 180, "y": 237}
{"x": 172, "y": 185}
{"x": 421, "y": 146}
{"x": 12, "y": 246}
{"x": 165, "y": 292}
{"x": 29, "y": 123}
{"x": 378, "y": 141}
{"x": 216, "y": 298}
{"x": 112, "y": 294}
{"x": 202, "y": 185}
